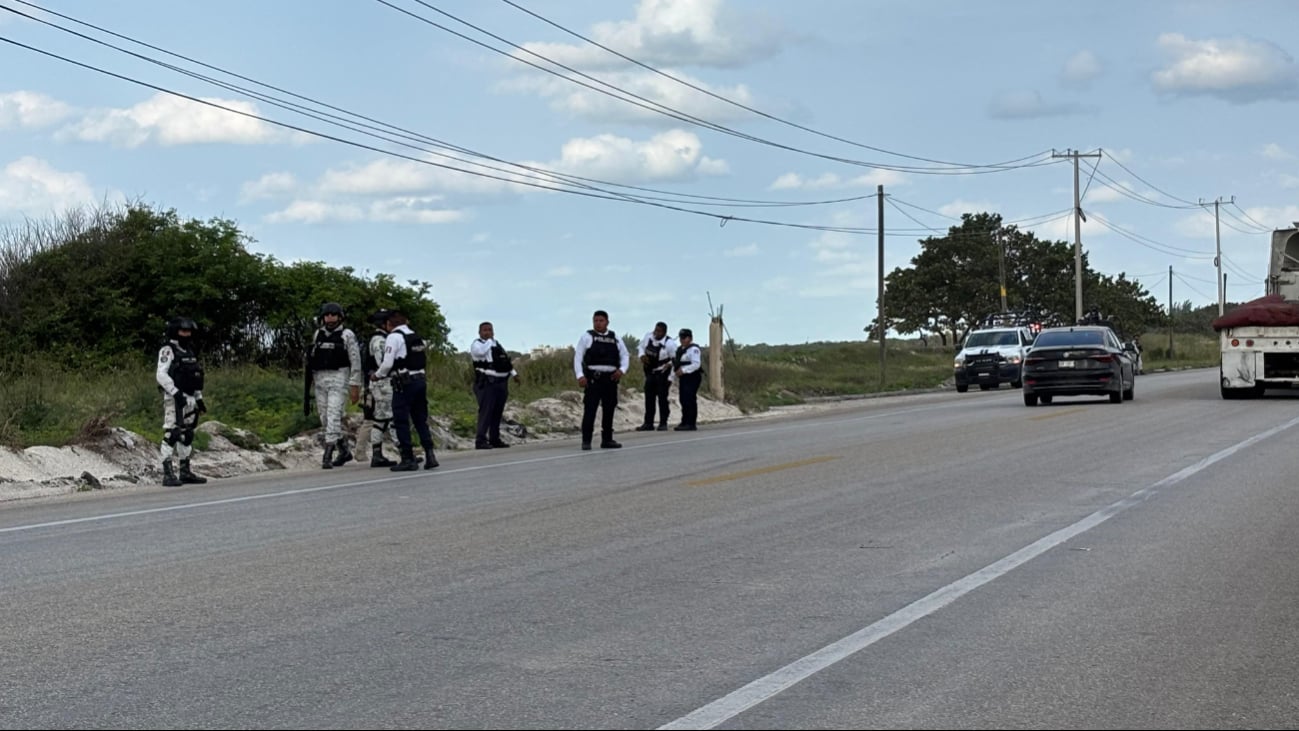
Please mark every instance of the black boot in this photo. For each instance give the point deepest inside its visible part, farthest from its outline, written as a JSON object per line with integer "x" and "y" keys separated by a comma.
{"x": 429, "y": 460}
{"x": 645, "y": 427}
{"x": 344, "y": 453}
{"x": 327, "y": 462}
{"x": 188, "y": 477}
{"x": 407, "y": 464}
{"x": 169, "y": 478}
{"x": 377, "y": 459}
{"x": 663, "y": 426}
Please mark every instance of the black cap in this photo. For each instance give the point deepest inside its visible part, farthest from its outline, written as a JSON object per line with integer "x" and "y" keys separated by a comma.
{"x": 685, "y": 333}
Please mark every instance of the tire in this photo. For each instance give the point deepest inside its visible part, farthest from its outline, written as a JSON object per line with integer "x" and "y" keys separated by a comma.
{"x": 1016, "y": 384}
{"x": 984, "y": 387}
{"x": 1046, "y": 400}
{"x": 1116, "y": 397}
{"x": 1030, "y": 399}
{"x": 1130, "y": 392}
{"x": 961, "y": 388}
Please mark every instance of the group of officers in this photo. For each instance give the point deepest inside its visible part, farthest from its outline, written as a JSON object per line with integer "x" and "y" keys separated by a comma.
{"x": 391, "y": 373}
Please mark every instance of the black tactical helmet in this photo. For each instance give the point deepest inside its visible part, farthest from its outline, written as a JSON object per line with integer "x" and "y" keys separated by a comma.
{"x": 176, "y": 324}
{"x": 380, "y": 316}
{"x": 331, "y": 308}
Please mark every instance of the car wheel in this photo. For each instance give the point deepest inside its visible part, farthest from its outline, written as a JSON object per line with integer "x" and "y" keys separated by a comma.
{"x": 1116, "y": 397}
{"x": 1130, "y": 392}
{"x": 985, "y": 387}
{"x": 962, "y": 388}
{"x": 1030, "y": 399}
{"x": 1047, "y": 399}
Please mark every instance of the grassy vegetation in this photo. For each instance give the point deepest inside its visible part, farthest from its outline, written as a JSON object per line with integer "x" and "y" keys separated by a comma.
{"x": 46, "y": 403}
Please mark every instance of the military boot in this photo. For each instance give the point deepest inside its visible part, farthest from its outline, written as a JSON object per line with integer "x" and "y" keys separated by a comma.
{"x": 327, "y": 462}
{"x": 344, "y": 453}
{"x": 169, "y": 478}
{"x": 377, "y": 459}
{"x": 407, "y": 464}
{"x": 188, "y": 477}
{"x": 429, "y": 460}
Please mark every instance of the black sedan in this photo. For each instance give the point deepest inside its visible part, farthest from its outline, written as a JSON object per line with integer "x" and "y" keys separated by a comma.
{"x": 1077, "y": 361}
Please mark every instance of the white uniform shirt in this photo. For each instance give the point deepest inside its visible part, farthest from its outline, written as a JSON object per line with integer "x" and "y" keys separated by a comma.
{"x": 481, "y": 350}
{"x": 668, "y": 350}
{"x": 691, "y": 361}
{"x": 584, "y": 342}
{"x": 393, "y": 348}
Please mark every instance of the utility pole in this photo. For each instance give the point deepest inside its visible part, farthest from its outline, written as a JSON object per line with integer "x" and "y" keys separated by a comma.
{"x": 1078, "y": 218}
{"x": 1217, "y": 259}
{"x": 883, "y": 328}
{"x": 1001, "y": 266}
{"x": 1170, "y": 311}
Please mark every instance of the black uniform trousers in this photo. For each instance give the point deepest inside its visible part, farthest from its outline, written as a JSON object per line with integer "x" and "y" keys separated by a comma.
{"x": 410, "y": 404}
{"x": 492, "y": 392}
{"x": 656, "y": 393}
{"x": 689, "y": 393}
{"x": 601, "y": 393}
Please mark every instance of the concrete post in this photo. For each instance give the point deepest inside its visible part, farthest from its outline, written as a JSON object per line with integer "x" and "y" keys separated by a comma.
{"x": 716, "y": 345}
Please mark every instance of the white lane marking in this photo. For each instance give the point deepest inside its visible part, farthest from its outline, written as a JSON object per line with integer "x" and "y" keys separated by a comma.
{"x": 768, "y": 686}
{"x": 474, "y": 468}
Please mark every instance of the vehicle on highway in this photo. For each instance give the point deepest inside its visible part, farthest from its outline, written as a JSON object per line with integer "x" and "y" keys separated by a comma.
{"x": 990, "y": 357}
{"x": 1078, "y": 361}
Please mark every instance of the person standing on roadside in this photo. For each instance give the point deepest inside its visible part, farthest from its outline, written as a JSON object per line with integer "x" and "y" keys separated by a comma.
{"x": 656, "y": 350}
{"x": 492, "y": 372}
{"x": 335, "y": 363}
{"x": 180, "y": 378}
{"x": 687, "y": 371}
{"x": 599, "y": 362}
{"x": 405, "y": 360}
{"x": 376, "y": 405}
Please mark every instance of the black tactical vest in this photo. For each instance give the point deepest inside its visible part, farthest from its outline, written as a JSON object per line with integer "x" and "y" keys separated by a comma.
{"x": 415, "y": 358}
{"x": 185, "y": 370}
{"x": 603, "y": 350}
{"x": 500, "y": 360}
{"x": 329, "y": 352}
{"x": 681, "y": 357}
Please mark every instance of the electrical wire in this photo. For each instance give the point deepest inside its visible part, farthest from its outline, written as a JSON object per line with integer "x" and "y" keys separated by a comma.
{"x": 547, "y": 175}
{"x": 730, "y": 101}
{"x": 643, "y": 102}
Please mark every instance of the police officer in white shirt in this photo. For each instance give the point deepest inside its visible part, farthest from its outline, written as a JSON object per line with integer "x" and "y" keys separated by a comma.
{"x": 404, "y": 361}
{"x": 656, "y": 350}
{"x": 687, "y": 365}
{"x": 599, "y": 361}
{"x": 492, "y": 372}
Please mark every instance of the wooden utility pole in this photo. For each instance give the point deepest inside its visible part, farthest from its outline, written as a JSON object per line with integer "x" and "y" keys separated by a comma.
{"x": 1001, "y": 266}
{"x": 883, "y": 328}
{"x": 1078, "y": 218}
{"x": 1217, "y": 259}
{"x": 1170, "y": 311}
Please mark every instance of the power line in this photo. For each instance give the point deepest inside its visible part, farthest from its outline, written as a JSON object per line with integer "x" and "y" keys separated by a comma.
{"x": 546, "y": 175}
{"x": 723, "y": 219}
{"x": 1150, "y": 243}
{"x": 643, "y": 102}
{"x": 1192, "y": 287}
{"x": 728, "y": 100}
{"x": 1263, "y": 226}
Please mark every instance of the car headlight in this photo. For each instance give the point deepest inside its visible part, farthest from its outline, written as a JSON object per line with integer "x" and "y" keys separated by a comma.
{"x": 1013, "y": 359}
{"x": 958, "y": 363}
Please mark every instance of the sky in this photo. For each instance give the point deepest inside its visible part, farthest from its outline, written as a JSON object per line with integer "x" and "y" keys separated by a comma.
{"x": 741, "y": 108}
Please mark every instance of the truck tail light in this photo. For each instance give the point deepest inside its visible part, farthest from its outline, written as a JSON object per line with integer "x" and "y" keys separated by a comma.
{"x": 1249, "y": 343}
{"x": 1235, "y": 343}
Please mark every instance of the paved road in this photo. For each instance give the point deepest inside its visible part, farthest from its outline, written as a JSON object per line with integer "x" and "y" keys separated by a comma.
{"x": 937, "y": 561}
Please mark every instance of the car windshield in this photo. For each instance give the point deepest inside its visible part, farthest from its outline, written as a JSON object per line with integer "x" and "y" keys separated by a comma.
{"x": 1052, "y": 338}
{"x": 991, "y": 339}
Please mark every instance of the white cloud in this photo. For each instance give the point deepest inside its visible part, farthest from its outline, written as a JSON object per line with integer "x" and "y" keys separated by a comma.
{"x": 677, "y": 32}
{"x": 1031, "y": 105}
{"x": 597, "y": 107}
{"x": 830, "y": 181}
{"x": 1080, "y": 70}
{"x": 1238, "y": 70}
{"x": 675, "y": 155}
{"x": 170, "y": 120}
{"x": 270, "y": 185}
{"x": 30, "y": 109}
{"x": 961, "y": 206}
{"x": 31, "y": 186}
{"x": 745, "y": 250}
{"x": 392, "y": 176}
{"x": 407, "y": 209}
{"x": 561, "y": 271}
{"x": 1273, "y": 151}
